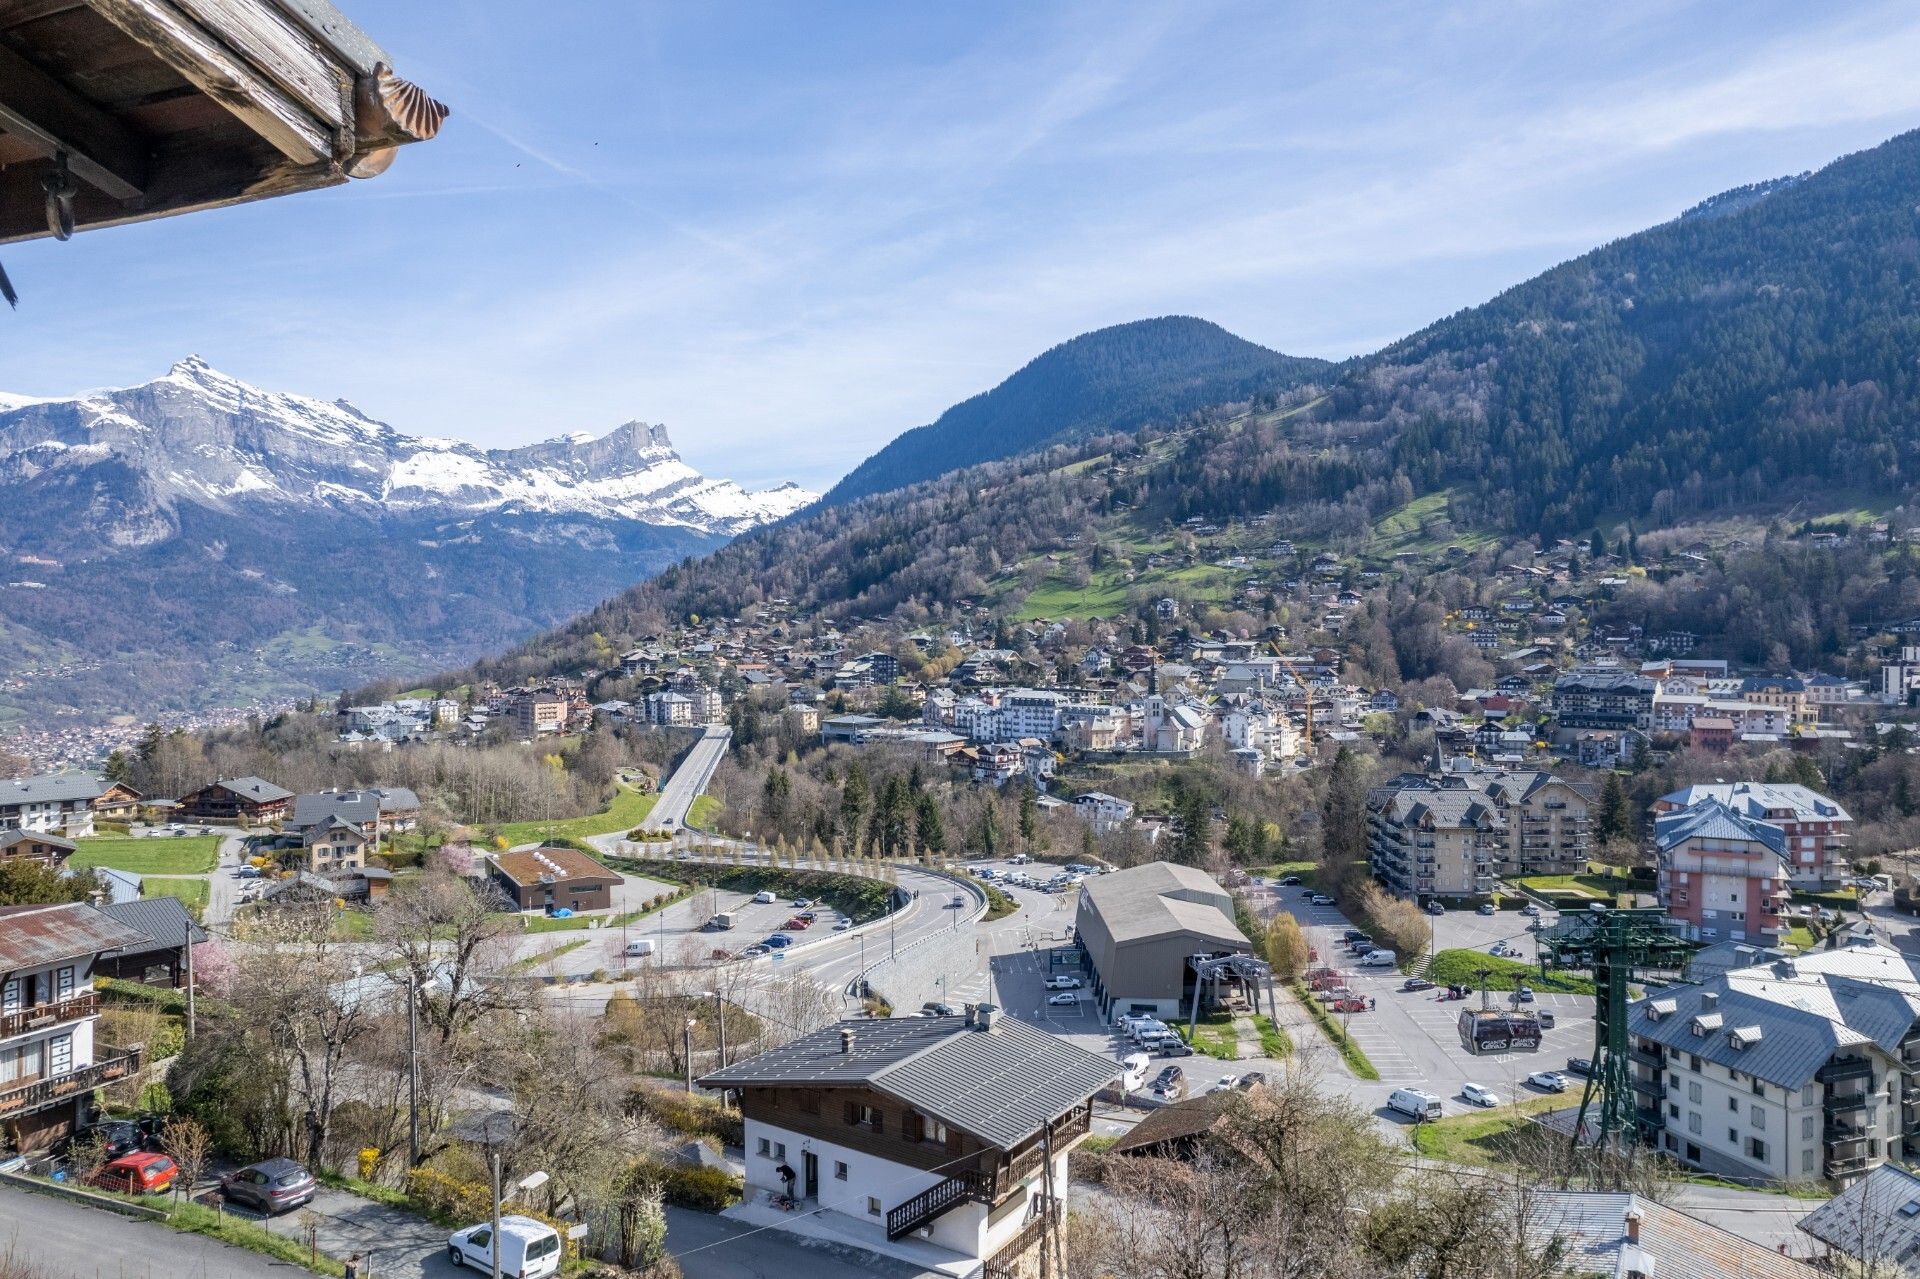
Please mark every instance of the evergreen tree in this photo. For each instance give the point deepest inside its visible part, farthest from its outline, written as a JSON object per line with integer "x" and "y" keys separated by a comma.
{"x": 1614, "y": 819}
{"x": 928, "y": 831}
{"x": 854, "y": 803}
{"x": 1343, "y": 814}
{"x": 986, "y": 835}
{"x": 1029, "y": 816}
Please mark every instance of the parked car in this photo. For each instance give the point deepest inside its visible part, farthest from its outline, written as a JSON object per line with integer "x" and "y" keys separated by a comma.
{"x": 803, "y": 902}
{"x": 248, "y": 872}
{"x": 1479, "y": 1096}
{"x": 778, "y": 942}
{"x": 1414, "y": 1103}
{"x": 1173, "y": 1046}
{"x": 122, "y": 1136}
{"x": 1523, "y": 994}
{"x": 1224, "y": 1083}
{"x": 1348, "y": 1004}
{"x": 809, "y": 915}
{"x": 758, "y": 948}
{"x": 798, "y": 924}
{"x": 1580, "y": 1065}
{"x": 1485, "y": 908}
{"x": 1498, "y": 948}
{"x": 272, "y": 1185}
{"x": 529, "y": 1249}
{"x": 842, "y": 924}
{"x": 1064, "y": 997}
{"x": 1529, "y": 909}
{"x": 720, "y": 952}
{"x": 1548, "y": 1080}
{"x": 764, "y": 897}
{"x": 1289, "y": 881}
{"x": 1545, "y": 1019}
{"x": 1353, "y": 934}
{"x": 935, "y": 1008}
{"x": 144, "y": 1172}
{"x": 1063, "y": 981}
{"x": 1320, "y": 899}
{"x": 1435, "y": 908}
{"x": 1416, "y": 983}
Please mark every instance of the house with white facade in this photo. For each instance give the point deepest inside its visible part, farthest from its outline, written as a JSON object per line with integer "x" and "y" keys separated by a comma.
{"x": 951, "y": 1131}
{"x": 53, "y": 803}
{"x": 1102, "y": 811}
{"x": 49, "y": 1068}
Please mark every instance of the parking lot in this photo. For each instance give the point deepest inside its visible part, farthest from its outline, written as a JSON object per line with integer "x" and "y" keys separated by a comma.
{"x": 1412, "y": 1037}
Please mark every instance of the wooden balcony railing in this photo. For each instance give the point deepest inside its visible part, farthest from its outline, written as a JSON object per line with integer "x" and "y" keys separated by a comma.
{"x": 25, "y": 1096}
{"x": 40, "y": 1016}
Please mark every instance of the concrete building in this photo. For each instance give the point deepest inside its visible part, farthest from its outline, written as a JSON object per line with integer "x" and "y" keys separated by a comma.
{"x": 1139, "y": 928}
{"x": 1603, "y": 699}
{"x": 1816, "y": 828}
{"x": 1102, "y": 811}
{"x": 51, "y": 804}
{"x": 952, "y": 1131}
{"x": 1454, "y": 834}
{"x": 551, "y": 877}
{"x": 1798, "y": 1069}
{"x": 1722, "y": 874}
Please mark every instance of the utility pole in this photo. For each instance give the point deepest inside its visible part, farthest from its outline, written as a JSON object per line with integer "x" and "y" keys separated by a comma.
{"x": 413, "y": 1071}
{"x": 493, "y": 1240}
{"x": 720, "y": 1020}
{"x": 188, "y": 947}
{"x": 689, "y": 1052}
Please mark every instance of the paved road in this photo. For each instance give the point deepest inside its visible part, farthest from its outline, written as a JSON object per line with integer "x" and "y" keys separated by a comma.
{"x": 73, "y": 1242}
{"x": 689, "y": 780}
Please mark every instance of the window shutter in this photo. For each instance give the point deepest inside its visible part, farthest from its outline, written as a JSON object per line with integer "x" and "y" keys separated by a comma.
{"x": 953, "y": 1141}
{"x": 879, "y": 1120}
{"x": 853, "y": 1114}
{"x": 916, "y": 1126}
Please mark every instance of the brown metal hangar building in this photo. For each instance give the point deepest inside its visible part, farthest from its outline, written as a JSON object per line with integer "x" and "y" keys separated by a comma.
{"x": 1139, "y": 927}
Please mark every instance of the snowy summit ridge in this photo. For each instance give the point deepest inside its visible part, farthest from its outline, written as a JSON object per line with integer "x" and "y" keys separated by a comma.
{"x": 201, "y": 437}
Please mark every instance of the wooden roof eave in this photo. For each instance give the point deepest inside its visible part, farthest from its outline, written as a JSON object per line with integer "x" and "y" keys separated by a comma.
{"x": 314, "y": 98}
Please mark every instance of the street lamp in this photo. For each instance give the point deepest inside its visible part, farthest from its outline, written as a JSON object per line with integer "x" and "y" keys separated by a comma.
{"x": 691, "y": 1023}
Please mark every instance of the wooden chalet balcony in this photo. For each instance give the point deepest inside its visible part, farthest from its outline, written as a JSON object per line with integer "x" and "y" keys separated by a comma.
{"x": 26, "y": 1096}
{"x": 40, "y": 1016}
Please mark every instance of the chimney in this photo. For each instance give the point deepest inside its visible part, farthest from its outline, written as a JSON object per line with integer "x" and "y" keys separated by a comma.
{"x": 1633, "y": 1225}
{"x": 985, "y": 1016}
{"x": 846, "y": 1043}
{"x": 1709, "y": 1000}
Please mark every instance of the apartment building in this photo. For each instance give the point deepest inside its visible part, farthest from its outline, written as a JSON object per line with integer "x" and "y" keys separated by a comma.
{"x": 1802, "y": 1068}
{"x": 1722, "y": 874}
{"x": 49, "y": 1067}
{"x": 1816, "y": 828}
{"x": 1455, "y": 834}
{"x": 1603, "y": 699}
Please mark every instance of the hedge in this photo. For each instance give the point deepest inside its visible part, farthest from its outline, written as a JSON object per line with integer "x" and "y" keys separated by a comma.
{"x": 703, "y": 1189}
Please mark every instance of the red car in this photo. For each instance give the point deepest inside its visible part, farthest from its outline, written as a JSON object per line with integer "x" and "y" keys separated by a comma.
{"x": 141, "y": 1173}
{"x": 1351, "y": 1004}
{"x": 796, "y": 924}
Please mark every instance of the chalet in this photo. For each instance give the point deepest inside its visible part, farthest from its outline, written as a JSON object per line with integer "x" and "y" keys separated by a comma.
{"x": 954, "y": 1130}
{"x": 251, "y": 800}
{"x": 161, "y": 958}
{"x": 119, "y": 802}
{"x": 50, "y": 851}
{"x": 552, "y": 877}
{"x": 49, "y": 1068}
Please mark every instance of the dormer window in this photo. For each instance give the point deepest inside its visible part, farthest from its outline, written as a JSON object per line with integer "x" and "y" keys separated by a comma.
{"x": 1706, "y": 1023}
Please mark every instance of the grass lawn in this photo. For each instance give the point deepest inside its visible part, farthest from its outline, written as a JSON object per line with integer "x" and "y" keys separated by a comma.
{"x": 1309, "y": 872}
{"x": 1274, "y": 1040}
{"x": 1212, "y": 1037}
{"x": 1799, "y": 935}
{"x": 1461, "y": 968}
{"x": 186, "y": 855}
{"x": 353, "y": 925}
{"x": 193, "y": 892}
{"x": 630, "y": 808}
{"x": 1476, "y": 1138}
{"x": 552, "y": 952}
{"x": 1838, "y": 899}
{"x": 1605, "y": 888}
{"x": 999, "y": 904}
{"x": 242, "y": 1232}
{"x": 704, "y": 809}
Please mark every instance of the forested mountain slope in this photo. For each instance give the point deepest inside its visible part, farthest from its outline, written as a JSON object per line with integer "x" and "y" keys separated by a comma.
{"x": 1113, "y": 379}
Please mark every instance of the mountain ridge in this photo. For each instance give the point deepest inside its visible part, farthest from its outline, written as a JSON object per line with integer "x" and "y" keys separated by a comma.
{"x": 1115, "y": 378}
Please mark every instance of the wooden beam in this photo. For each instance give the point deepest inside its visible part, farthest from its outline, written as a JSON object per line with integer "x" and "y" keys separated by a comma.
{"x": 183, "y": 176}
{"x": 52, "y": 118}
{"x": 287, "y": 55}
{"x": 14, "y": 13}
{"x": 225, "y": 76}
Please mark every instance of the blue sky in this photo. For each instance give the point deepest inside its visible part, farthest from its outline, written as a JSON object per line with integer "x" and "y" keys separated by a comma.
{"x": 790, "y": 232}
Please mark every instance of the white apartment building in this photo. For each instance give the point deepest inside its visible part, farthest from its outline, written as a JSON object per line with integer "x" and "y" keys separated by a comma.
{"x": 1798, "y": 1069}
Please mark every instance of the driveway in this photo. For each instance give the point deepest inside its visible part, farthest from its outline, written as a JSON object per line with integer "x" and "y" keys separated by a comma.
{"x": 75, "y": 1242}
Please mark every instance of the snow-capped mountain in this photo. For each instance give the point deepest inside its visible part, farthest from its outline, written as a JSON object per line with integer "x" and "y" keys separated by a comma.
{"x": 201, "y": 437}
{"x": 195, "y": 540}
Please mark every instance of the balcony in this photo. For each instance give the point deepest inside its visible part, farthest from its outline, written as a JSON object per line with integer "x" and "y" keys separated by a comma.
{"x": 1647, "y": 1057}
{"x": 1655, "y": 1087}
{"x": 41, "y": 1016}
{"x": 1845, "y": 1068}
{"x": 1846, "y": 1101}
{"x": 1651, "y": 1120}
{"x": 1848, "y": 1165}
{"x": 23, "y": 1097}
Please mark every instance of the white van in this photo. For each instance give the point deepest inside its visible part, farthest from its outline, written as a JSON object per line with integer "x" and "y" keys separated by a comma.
{"x": 529, "y": 1249}
{"x": 1379, "y": 959}
{"x": 639, "y": 949}
{"x": 1133, "y": 1070}
{"x": 1414, "y": 1103}
{"x": 765, "y": 898}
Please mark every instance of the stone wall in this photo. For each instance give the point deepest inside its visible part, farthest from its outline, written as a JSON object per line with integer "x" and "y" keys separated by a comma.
{"x": 912, "y": 976}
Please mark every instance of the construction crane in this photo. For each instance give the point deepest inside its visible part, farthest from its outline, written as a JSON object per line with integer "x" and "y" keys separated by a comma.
{"x": 1617, "y": 947}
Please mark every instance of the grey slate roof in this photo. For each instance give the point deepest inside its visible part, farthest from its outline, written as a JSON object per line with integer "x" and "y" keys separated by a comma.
{"x": 1876, "y": 1219}
{"x": 257, "y": 789}
{"x": 1808, "y": 1009}
{"x": 356, "y": 808}
{"x": 1672, "y": 1244}
{"x": 1712, "y": 819}
{"x": 51, "y": 788}
{"x": 1756, "y": 799}
{"x": 1002, "y": 1085}
{"x": 162, "y": 921}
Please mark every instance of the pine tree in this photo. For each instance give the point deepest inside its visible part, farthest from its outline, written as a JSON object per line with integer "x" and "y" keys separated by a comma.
{"x": 1614, "y": 820}
{"x": 928, "y": 830}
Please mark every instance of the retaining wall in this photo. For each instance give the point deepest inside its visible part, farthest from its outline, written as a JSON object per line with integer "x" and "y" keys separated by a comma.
{"x": 912, "y": 976}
